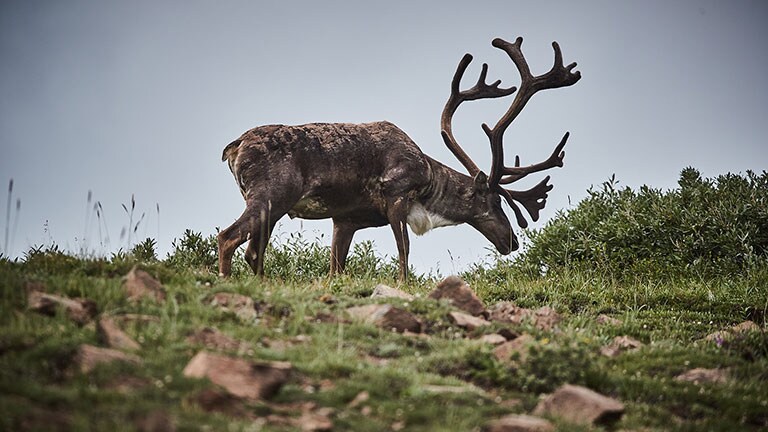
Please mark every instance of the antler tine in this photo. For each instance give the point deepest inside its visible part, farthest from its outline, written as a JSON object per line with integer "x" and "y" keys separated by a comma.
{"x": 517, "y": 172}
{"x": 558, "y": 76}
{"x": 533, "y": 200}
{"x": 481, "y": 90}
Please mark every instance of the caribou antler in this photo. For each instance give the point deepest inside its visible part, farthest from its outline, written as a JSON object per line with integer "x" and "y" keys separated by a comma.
{"x": 534, "y": 199}
{"x": 481, "y": 90}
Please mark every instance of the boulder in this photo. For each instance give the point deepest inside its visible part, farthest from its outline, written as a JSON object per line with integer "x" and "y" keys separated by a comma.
{"x": 88, "y": 357}
{"x": 385, "y": 291}
{"x": 519, "y": 423}
{"x": 466, "y": 321}
{"x": 112, "y": 336}
{"x": 241, "y": 378}
{"x": 580, "y": 405}
{"x": 139, "y": 284}
{"x": 386, "y": 316}
{"x": 455, "y": 290}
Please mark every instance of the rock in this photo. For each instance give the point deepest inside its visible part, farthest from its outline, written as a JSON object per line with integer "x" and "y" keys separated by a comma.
{"x": 493, "y": 339}
{"x": 619, "y": 345}
{"x": 454, "y": 289}
{"x": 139, "y": 284}
{"x": 385, "y": 291}
{"x": 604, "y": 319}
{"x": 313, "y": 422}
{"x": 519, "y": 345}
{"x": 241, "y": 378}
{"x": 327, "y": 318}
{"x": 240, "y": 305}
{"x": 723, "y": 337}
{"x": 386, "y": 316}
{"x": 581, "y": 405}
{"x": 701, "y": 376}
{"x": 215, "y": 340}
{"x": 544, "y": 318}
{"x": 442, "y": 389}
{"x": 78, "y": 310}
{"x": 283, "y": 344}
{"x": 360, "y": 399}
{"x": 466, "y": 321}
{"x": 88, "y": 357}
{"x": 508, "y": 334}
{"x": 112, "y": 336}
{"x": 519, "y": 423}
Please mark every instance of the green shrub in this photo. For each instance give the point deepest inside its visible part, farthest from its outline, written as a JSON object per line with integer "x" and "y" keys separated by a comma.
{"x": 703, "y": 228}
{"x": 193, "y": 251}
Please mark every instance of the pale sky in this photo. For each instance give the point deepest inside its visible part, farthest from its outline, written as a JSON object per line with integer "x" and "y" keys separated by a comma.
{"x": 123, "y": 98}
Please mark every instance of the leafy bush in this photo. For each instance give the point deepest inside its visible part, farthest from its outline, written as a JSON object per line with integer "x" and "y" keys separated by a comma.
{"x": 704, "y": 228}
{"x": 194, "y": 251}
{"x": 145, "y": 251}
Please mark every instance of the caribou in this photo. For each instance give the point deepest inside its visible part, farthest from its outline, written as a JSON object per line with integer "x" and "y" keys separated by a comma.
{"x": 373, "y": 174}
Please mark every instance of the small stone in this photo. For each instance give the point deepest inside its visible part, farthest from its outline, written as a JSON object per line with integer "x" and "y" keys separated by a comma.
{"x": 619, "y": 345}
{"x": 723, "y": 337}
{"x": 520, "y": 345}
{"x": 78, "y": 310}
{"x": 360, "y": 399}
{"x": 241, "y": 378}
{"x": 314, "y": 422}
{"x": 604, "y": 319}
{"x": 442, "y": 389}
{"x": 458, "y": 292}
{"x": 519, "y": 423}
{"x": 580, "y": 405}
{"x": 88, "y": 357}
{"x": 466, "y": 321}
{"x": 240, "y": 305}
{"x": 385, "y": 291}
{"x": 493, "y": 339}
{"x": 139, "y": 284}
{"x": 211, "y": 338}
{"x": 386, "y": 316}
{"x": 701, "y": 375}
{"x": 112, "y": 336}
{"x": 544, "y": 318}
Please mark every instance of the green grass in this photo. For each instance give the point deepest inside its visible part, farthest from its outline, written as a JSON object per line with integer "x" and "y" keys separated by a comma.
{"x": 670, "y": 317}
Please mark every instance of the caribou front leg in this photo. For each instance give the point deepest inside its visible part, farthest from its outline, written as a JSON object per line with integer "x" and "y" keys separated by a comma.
{"x": 397, "y": 214}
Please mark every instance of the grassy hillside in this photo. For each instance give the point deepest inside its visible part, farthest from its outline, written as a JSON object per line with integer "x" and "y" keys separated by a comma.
{"x": 365, "y": 378}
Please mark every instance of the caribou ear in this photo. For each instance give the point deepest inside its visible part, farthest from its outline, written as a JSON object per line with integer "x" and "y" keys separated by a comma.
{"x": 481, "y": 182}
